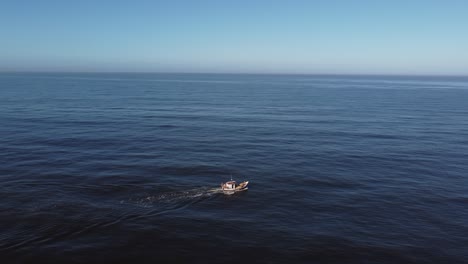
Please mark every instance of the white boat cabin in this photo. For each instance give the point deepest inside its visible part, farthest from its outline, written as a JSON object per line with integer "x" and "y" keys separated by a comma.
{"x": 230, "y": 185}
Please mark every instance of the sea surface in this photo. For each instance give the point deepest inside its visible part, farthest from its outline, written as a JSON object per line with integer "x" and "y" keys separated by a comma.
{"x": 126, "y": 168}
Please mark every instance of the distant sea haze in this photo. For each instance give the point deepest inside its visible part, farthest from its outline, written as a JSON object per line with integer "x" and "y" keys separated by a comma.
{"x": 126, "y": 168}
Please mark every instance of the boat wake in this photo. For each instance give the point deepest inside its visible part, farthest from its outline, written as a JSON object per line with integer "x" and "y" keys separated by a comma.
{"x": 186, "y": 196}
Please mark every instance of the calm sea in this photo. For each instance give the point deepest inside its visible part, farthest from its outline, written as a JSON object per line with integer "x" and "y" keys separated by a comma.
{"x": 125, "y": 168}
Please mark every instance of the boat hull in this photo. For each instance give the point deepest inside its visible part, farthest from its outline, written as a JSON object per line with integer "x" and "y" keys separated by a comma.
{"x": 243, "y": 186}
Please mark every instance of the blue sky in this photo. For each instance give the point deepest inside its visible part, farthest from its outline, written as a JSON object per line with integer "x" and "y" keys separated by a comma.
{"x": 363, "y": 37}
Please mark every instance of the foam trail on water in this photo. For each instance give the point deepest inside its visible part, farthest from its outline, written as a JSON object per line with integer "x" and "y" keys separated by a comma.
{"x": 180, "y": 196}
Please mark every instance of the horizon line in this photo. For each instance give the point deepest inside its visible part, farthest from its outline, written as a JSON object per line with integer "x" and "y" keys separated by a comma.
{"x": 242, "y": 73}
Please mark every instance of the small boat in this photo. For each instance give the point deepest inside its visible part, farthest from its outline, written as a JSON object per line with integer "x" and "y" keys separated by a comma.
{"x": 232, "y": 187}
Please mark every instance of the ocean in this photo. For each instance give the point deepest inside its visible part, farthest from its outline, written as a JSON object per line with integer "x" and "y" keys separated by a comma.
{"x": 127, "y": 167}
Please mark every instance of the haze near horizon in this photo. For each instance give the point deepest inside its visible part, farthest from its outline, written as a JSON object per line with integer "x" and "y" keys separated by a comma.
{"x": 312, "y": 37}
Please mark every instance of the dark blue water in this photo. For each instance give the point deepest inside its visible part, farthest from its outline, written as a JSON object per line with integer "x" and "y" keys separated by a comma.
{"x": 124, "y": 168}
